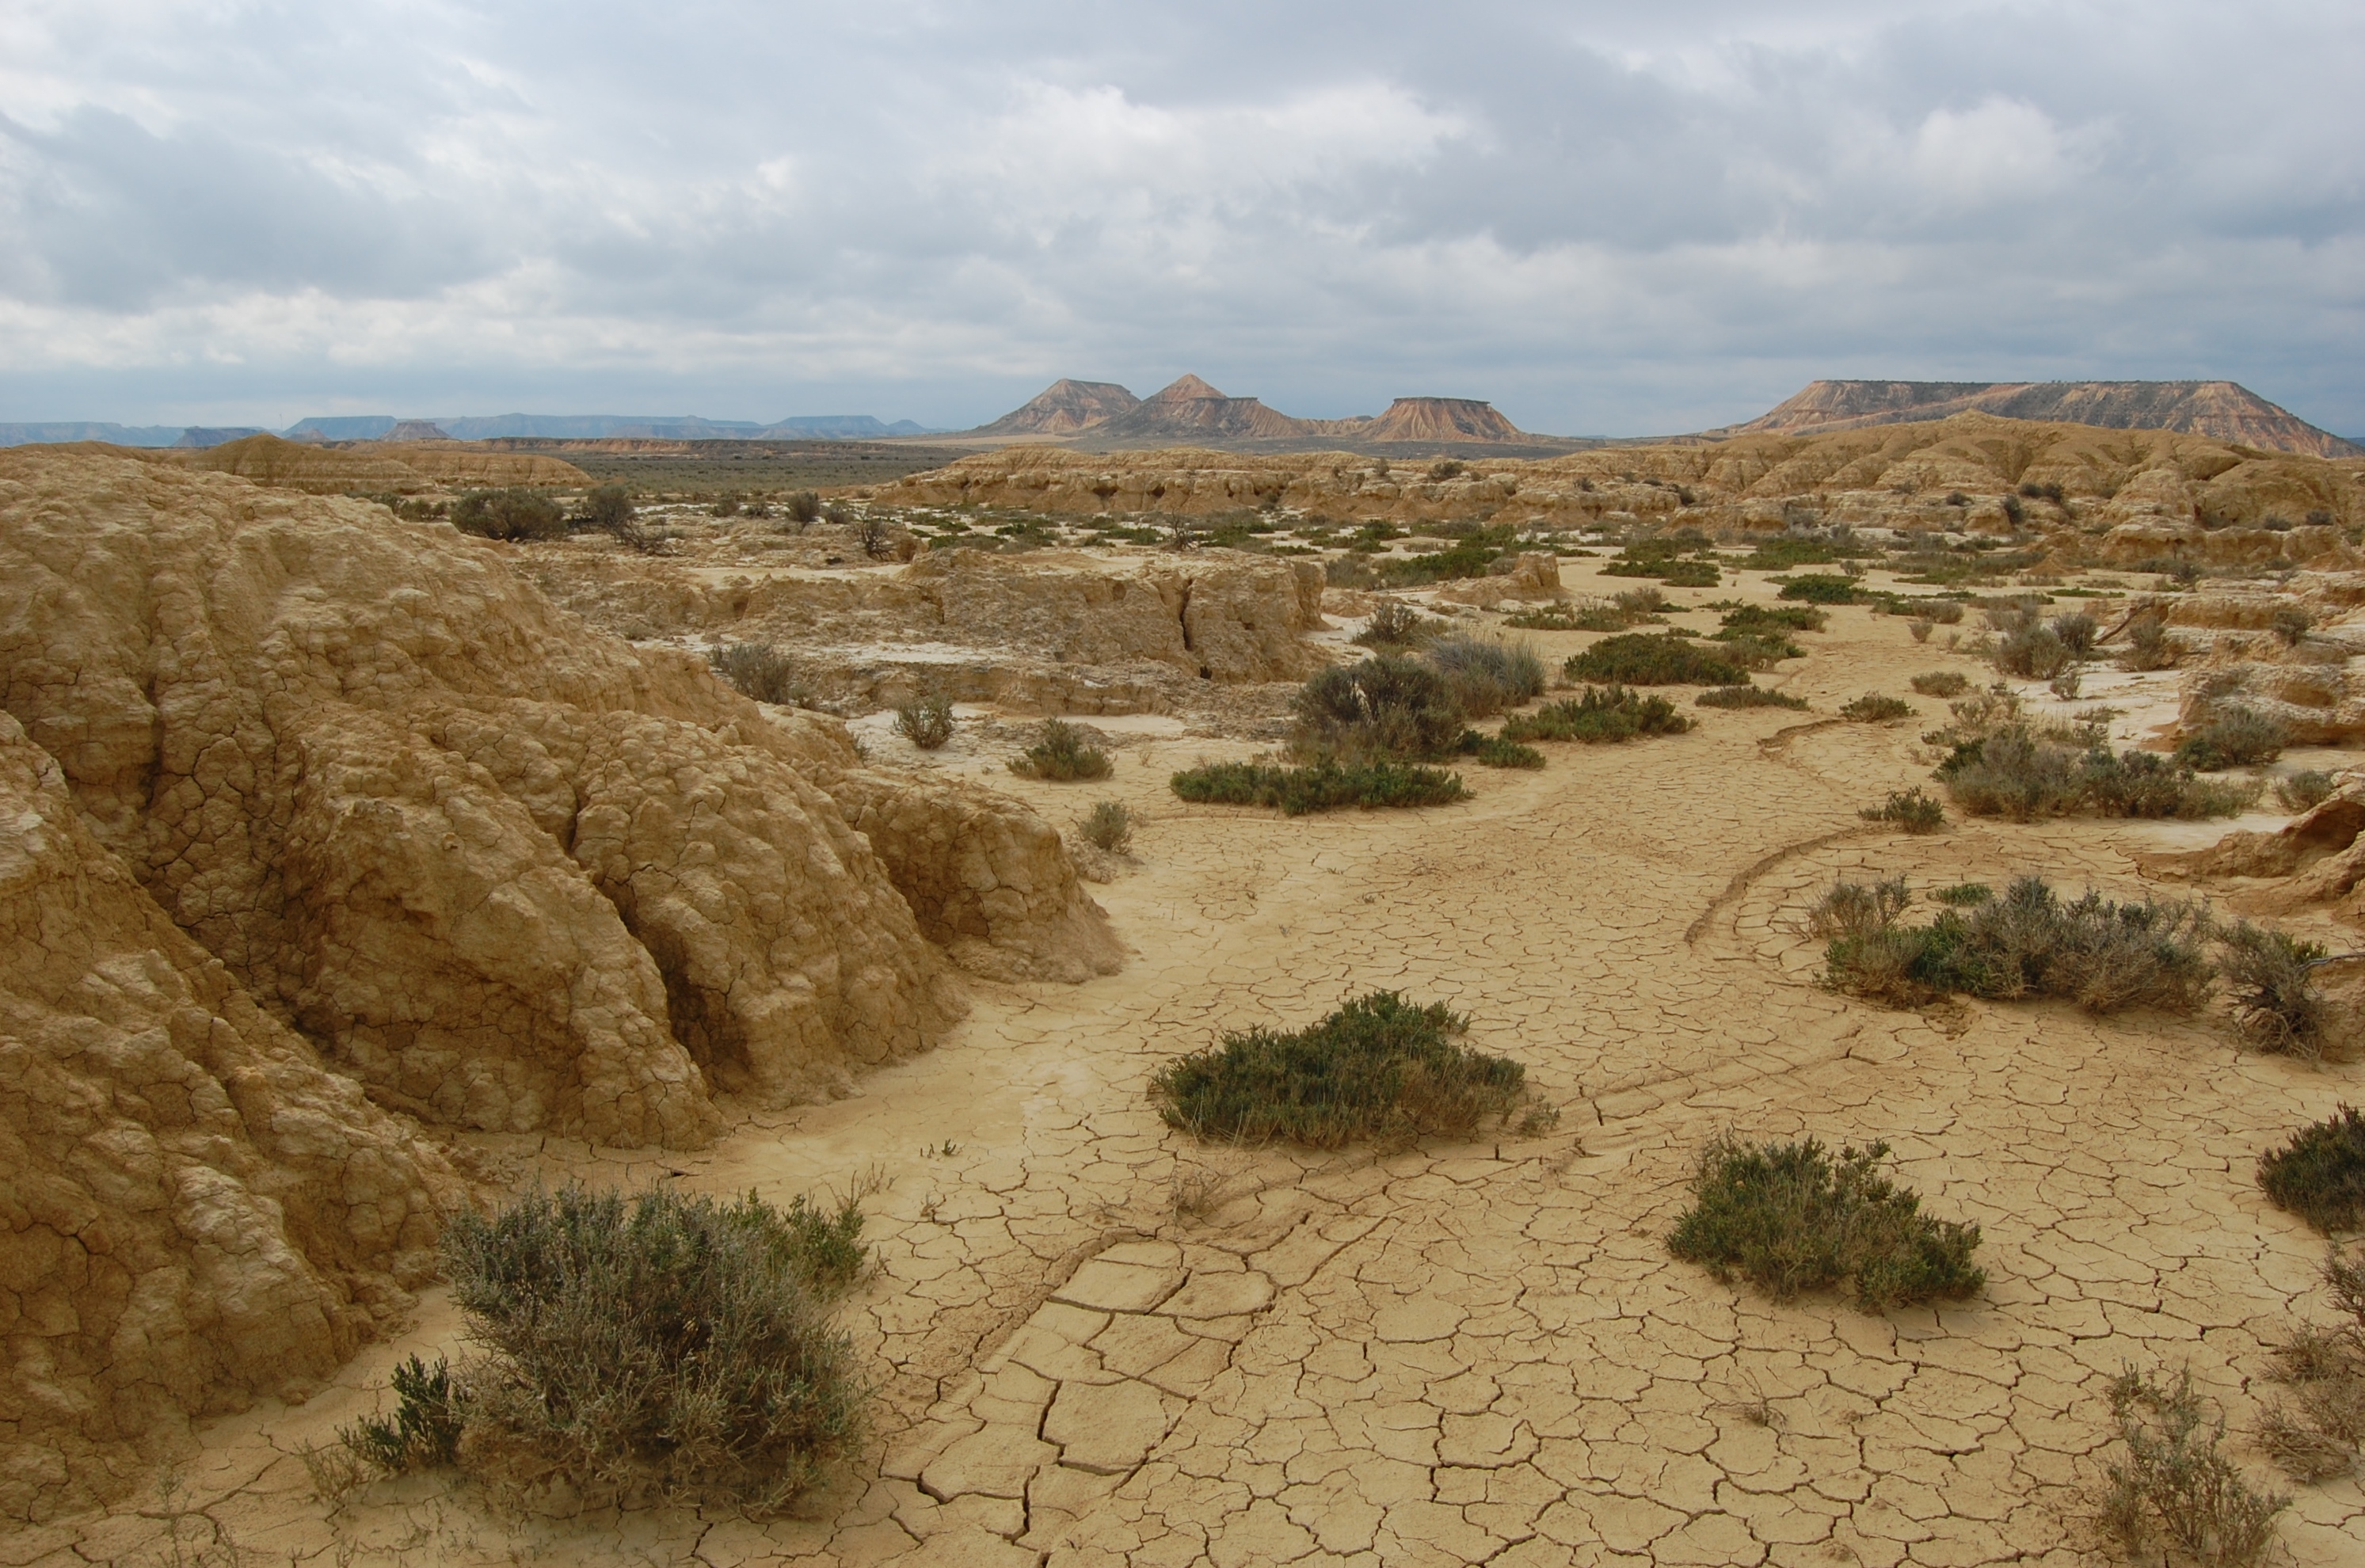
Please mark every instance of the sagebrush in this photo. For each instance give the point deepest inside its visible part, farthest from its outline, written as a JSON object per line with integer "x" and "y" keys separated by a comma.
{"x": 2173, "y": 1483}
{"x": 1323, "y": 786}
{"x": 1063, "y": 753}
{"x": 1599, "y": 714}
{"x": 1642, "y": 659}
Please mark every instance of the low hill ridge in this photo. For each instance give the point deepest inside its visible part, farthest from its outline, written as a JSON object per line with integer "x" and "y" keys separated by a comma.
{"x": 2224, "y": 409}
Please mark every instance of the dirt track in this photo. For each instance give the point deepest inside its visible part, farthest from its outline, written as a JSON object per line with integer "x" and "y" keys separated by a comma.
{"x": 1472, "y": 1354}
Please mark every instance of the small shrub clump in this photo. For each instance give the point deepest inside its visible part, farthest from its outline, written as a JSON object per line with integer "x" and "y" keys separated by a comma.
{"x": 2277, "y": 1007}
{"x": 512, "y": 514}
{"x": 423, "y": 1433}
{"x": 1601, "y": 714}
{"x": 1873, "y": 708}
{"x": 663, "y": 1346}
{"x": 926, "y": 721}
{"x": 2320, "y": 1432}
{"x": 1941, "y": 683}
{"x": 2319, "y": 1175}
{"x": 1747, "y": 697}
{"x": 1999, "y": 763}
{"x": 1396, "y": 624}
{"x": 2028, "y": 943}
{"x": 1821, "y": 589}
{"x": 1909, "y": 809}
{"x": 761, "y": 671}
{"x": 1379, "y": 1065}
{"x": 1062, "y": 753}
{"x": 2304, "y": 791}
{"x": 1641, "y": 659}
{"x": 1790, "y": 1217}
{"x": 2235, "y": 737}
{"x": 1323, "y": 786}
{"x": 1108, "y": 826}
{"x": 2149, "y": 645}
{"x": 2175, "y": 1484}
{"x": 1387, "y": 707}
{"x": 1487, "y": 675}
{"x": 1763, "y": 620}
{"x": 1494, "y": 751}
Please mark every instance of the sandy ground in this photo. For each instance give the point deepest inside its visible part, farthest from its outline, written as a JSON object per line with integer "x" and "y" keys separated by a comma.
{"x": 1100, "y": 1343}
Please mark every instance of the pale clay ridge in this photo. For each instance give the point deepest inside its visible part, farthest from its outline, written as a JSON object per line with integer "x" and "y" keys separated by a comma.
{"x": 1472, "y": 1354}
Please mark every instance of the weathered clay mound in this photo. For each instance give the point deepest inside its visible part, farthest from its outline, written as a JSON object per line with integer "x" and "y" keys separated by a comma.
{"x": 1226, "y": 618}
{"x": 2317, "y": 858}
{"x": 192, "y": 1210}
{"x": 508, "y": 871}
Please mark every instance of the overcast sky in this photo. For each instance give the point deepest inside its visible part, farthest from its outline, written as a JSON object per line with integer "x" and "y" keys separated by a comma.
{"x": 1606, "y": 217}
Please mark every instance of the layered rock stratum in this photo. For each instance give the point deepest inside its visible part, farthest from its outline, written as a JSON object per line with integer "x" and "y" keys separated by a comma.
{"x": 2225, "y": 410}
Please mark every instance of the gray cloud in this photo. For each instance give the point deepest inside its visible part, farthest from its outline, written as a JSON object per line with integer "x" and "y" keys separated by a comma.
{"x": 1606, "y": 217}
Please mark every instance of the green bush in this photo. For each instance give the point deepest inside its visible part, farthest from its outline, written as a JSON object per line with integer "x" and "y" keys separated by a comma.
{"x": 2149, "y": 645}
{"x": 926, "y": 721}
{"x": 1872, "y": 708}
{"x": 2032, "y": 652}
{"x": 2319, "y": 1175}
{"x": 1941, "y": 683}
{"x": 1396, "y": 624}
{"x": 1325, "y": 786}
{"x": 609, "y": 508}
{"x": 1387, "y": 707}
{"x": 1909, "y": 809}
{"x": 1821, "y": 589}
{"x": 1789, "y": 1217}
{"x": 1763, "y": 620}
{"x": 1494, "y": 751}
{"x": 512, "y": 514}
{"x": 2175, "y": 1484}
{"x": 761, "y": 671}
{"x": 1108, "y": 826}
{"x": 2000, "y": 765}
{"x": 2234, "y": 737}
{"x": 1487, "y": 675}
{"x": 2304, "y": 791}
{"x": 666, "y": 1345}
{"x": 1467, "y": 557}
{"x": 1963, "y": 895}
{"x": 1747, "y": 697}
{"x": 430, "y": 1414}
{"x": 1378, "y": 1065}
{"x": 1641, "y": 659}
{"x": 1757, "y": 653}
{"x": 2272, "y": 977}
{"x": 2028, "y": 943}
{"x": 1062, "y": 753}
{"x": 1600, "y": 714}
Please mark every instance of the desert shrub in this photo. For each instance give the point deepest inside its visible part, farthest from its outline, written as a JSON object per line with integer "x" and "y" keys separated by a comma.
{"x": 1639, "y": 604}
{"x": 1389, "y": 706}
{"x": 2033, "y": 651}
{"x": 1821, "y": 589}
{"x": 2028, "y": 943}
{"x": 2022, "y": 772}
{"x": 1593, "y": 617}
{"x": 1756, "y": 650}
{"x": 609, "y": 508}
{"x": 1396, "y": 624}
{"x": 2304, "y": 791}
{"x": 2076, "y": 631}
{"x": 1789, "y": 1217}
{"x": 1494, "y": 751}
{"x": 1486, "y": 675}
{"x": 2149, "y": 645}
{"x": 1921, "y": 628}
{"x": 423, "y": 1432}
{"x": 1873, "y": 708}
{"x": 1746, "y": 696}
{"x": 926, "y": 721}
{"x": 2271, "y": 976}
{"x": 1962, "y": 895}
{"x": 1467, "y": 557}
{"x": 2234, "y": 737}
{"x": 761, "y": 671}
{"x": 1641, "y": 659}
{"x": 1325, "y": 786}
{"x": 1108, "y": 826}
{"x": 838, "y": 514}
{"x": 2292, "y": 624}
{"x": 2066, "y": 685}
{"x": 804, "y": 509}
{"x": 1944, "y": 611}
{"x": 1599, "y": 714}
{"x": 1063, "y": 753}
{"x": 1763, "y": 620}
{"x": 2175, "y": 1484}
{"x": 666, "y": 1343}
{"x": 513, "y": 514}
{"x": 1941, "y": 683}
{"x": 2320, "y": 1433}
{"x": 1378, "y": 1065}
{"x": 2319, "y": 1175}
{"x": 1909, "y": 809}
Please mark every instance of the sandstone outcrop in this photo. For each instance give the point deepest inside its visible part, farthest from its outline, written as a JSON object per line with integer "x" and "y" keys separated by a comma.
{"x": 193, "y": 1211}
{"x": 2317, "y": 858}
{"x": 510, "y": 873}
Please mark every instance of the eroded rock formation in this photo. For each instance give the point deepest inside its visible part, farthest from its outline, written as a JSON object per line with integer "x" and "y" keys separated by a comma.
{"x": 510, "y": 873}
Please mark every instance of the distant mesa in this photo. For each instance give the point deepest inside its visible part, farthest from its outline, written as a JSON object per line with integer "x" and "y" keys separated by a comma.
{"x": 2225, "y": 410}
{"x": 206, "y": 435}
{"x": 416, "y": 430}
{"x": 1190, "y": 412}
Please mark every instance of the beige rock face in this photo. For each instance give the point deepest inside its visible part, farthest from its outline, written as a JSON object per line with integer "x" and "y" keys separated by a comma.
{"x": 192, "y": 1210}
{"x": 512, "y": 873}
{"x": 2316, "y": 860}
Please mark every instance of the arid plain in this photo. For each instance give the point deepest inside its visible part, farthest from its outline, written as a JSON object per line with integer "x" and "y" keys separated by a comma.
{"x": 1095, "y": 1339}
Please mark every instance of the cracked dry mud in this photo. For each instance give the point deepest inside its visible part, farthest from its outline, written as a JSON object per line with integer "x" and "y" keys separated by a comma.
{"x": 1101, "y": 1343}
